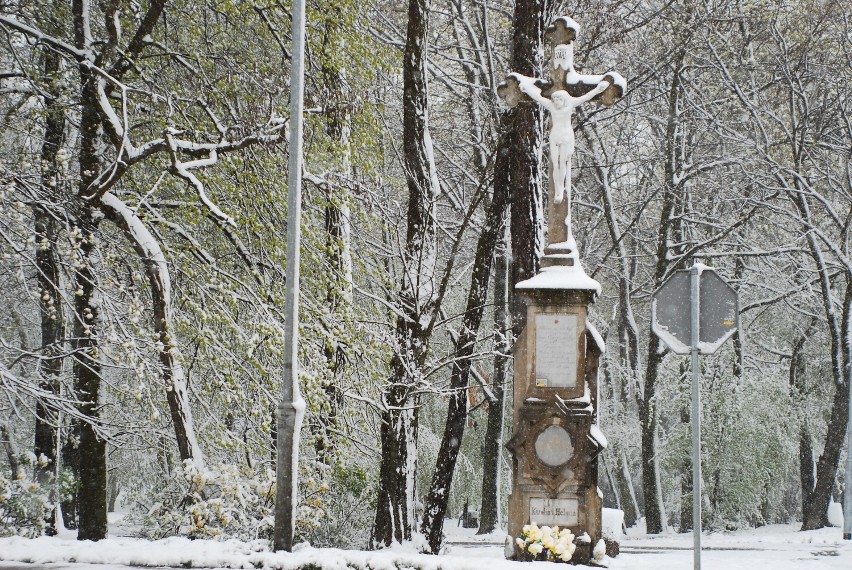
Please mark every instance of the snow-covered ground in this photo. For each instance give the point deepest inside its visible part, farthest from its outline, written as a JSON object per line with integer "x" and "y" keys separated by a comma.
{"x": 776, "y": 547}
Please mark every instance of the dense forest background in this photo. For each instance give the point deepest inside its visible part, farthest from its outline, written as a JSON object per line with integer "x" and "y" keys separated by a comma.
{"x": 143, "y": 167}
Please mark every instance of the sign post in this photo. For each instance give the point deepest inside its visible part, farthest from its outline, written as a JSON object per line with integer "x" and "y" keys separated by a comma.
{"x": 712, "y": 318}
{"x": 694, "y": 313}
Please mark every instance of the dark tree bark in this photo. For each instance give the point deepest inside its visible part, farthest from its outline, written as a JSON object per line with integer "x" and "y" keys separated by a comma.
{"x": 797, "y": 392}
{"x": 686, "y": 489}
{"x": 490, "y": 507}
{"x": 815, "y": 514}
{"x": 92, "y": 491}
{"x": 465, "y": 345}
{"x": 526, "y": 134}
{"x": 394, "y": 512}
{"x": 50, "y": 302}
{"x": 92, "y": 494}
{"x": 70, "y": 438}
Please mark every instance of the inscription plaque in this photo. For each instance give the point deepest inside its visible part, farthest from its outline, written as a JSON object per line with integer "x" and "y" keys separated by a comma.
{"x": 556, "y": 351}
{"x": 562, "y": 512}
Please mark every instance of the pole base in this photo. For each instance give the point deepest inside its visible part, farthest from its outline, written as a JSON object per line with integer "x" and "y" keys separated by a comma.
{"x": 847, "y": 536}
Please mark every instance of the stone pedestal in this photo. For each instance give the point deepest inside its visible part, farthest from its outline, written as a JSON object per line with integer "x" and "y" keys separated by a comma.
{"x": 556, "y": 440}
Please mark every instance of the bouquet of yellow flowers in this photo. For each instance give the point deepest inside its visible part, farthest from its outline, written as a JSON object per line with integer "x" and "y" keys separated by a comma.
{"x": 546, "y": 543}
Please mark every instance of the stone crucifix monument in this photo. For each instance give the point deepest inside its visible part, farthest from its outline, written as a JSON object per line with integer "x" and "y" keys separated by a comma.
{"x": 556, "y": 439}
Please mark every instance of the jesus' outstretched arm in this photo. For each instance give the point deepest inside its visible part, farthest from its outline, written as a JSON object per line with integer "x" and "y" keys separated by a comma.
{"x": 533, "y": 92}
{"x": 601, "y": 87}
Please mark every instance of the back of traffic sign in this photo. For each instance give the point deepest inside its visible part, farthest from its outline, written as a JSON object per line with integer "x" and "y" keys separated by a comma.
{"x": 718, "y": 312}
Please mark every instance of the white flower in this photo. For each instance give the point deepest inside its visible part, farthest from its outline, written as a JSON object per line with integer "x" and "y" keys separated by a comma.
{"x": 535, "y": 548}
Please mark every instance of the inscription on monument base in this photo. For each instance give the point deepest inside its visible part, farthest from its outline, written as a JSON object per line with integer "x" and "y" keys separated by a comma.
{"x": 552, "y": 512}
{"x": 556, "y": 350}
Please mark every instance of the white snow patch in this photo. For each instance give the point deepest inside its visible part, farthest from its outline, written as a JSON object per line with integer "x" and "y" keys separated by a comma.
{"x": 835, "y": 513}
{"x": 701, "y": 268}
{"x": 144, "y": 239}
{"x": 561, "y": 277}
{"x": 597, "y": 336}
{"x": 780, "y": 547}
{"x": 598, "y": 435}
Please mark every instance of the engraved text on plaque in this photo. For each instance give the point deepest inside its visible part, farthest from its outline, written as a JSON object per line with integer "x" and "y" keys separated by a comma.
{"x": 562, "y": 512}
{"x": 556, "y": 351}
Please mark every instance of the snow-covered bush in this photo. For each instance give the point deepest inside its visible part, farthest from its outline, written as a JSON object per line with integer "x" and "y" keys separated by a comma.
{"x": 222, "y": 503}
{"x": 225, "y": 503}
{"x": 345, "y": 508}
{"x": 23, "y": 506}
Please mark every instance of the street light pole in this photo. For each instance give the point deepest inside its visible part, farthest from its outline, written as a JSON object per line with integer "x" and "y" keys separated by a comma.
{"x": 291, "y": 409}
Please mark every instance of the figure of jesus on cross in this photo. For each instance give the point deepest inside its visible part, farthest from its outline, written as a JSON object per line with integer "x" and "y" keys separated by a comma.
{"x": 561, "y": 106}
{"x": 566, "y": 91}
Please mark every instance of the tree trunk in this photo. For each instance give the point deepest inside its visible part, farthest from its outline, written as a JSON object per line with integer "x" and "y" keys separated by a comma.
{"x": 630, "y": 504}
{"x": 171, "y": 370}
{"x": 526, "y": 136}
{"x": 50, "y": 302}
{"x": 686, "y": 488}
{"x": 816, "y": 512}
{"x": 71, "y": 462}
{"x": 395, "y": 506}
{"x": 338, "y": 232}
{"x": 797, "y": 392}
{"x": 113, "y": 491}
{"x": 465, "y": 345}
{"x": 648, "y": 422}
{"x": 12, "y": 455}
{"x": 654, "y": 515}
{"x": 489, "y": 512}
{"x": 92, "y": 507}
{"x": 92, "y": 494}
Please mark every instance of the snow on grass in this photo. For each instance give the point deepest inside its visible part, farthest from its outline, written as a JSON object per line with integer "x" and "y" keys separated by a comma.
{"x": 776, "y": 547}
{"x": 182, "y": 552}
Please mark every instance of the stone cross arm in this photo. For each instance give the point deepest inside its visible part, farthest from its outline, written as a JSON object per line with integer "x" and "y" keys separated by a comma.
{"x": 560, "y": 36}
{"x": 510, "y": 89}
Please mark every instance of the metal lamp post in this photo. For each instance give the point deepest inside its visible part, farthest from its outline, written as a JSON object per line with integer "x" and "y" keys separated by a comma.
{"x": 291, "y": 409}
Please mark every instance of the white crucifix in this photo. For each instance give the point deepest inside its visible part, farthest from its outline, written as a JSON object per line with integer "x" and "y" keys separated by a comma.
{"x": 566, "y": 91}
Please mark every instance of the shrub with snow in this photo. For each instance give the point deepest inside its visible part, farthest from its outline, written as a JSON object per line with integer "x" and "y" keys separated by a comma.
{"x": 23, "y": 506}
{"x": 226, "y": 503}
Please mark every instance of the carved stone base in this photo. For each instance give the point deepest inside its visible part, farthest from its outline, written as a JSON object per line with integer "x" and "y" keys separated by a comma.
{"x": 556, "y": 441}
